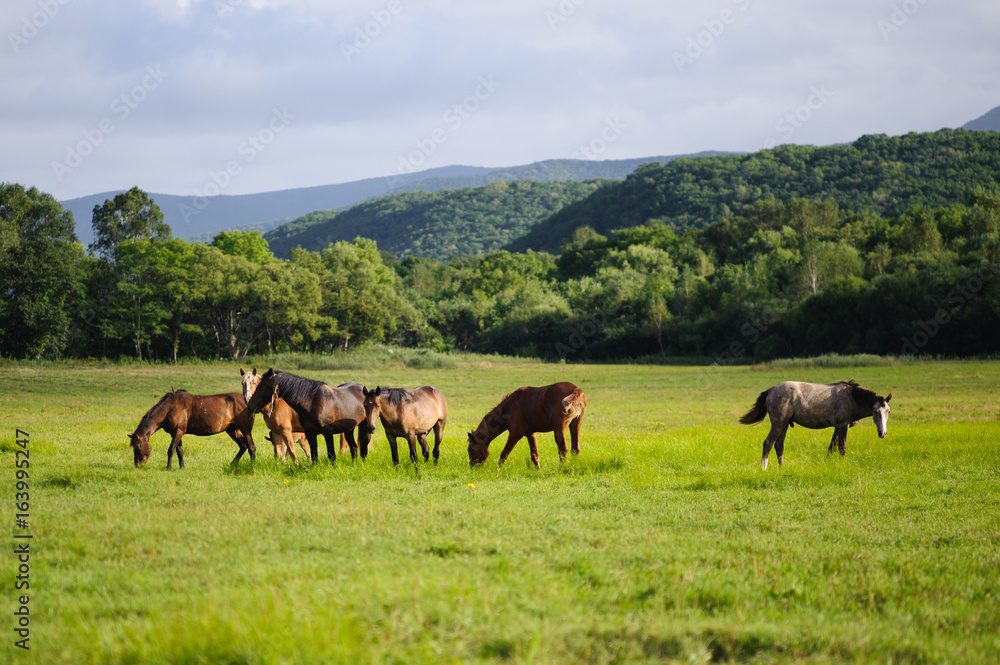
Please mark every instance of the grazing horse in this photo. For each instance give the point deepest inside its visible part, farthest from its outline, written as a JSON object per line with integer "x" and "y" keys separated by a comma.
{"x": 411, "y": 414}
{"x": 179, "y": 413}
{"x": 527, "y": 411}
{"x": 280, "y": 418}
{"x": 321, "y": 408}
{"x": 840, "y": 405}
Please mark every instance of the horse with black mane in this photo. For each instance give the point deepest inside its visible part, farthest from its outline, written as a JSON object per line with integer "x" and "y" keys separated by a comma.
{"x": 280, "y": 418}
{"x": 840, "y": 405}
{"x": 179, "y": 413}
{"x": 321, "y": 408}
{"x": 410, "y": 414}
{"x": 525, "y": 412}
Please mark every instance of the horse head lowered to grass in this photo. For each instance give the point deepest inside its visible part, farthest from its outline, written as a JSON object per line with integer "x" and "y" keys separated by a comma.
{"x": 179, "y": 413}
{"x": 321, "y": 408}
{"x": 840, "y": 405}
{"x": 525, "y": 412}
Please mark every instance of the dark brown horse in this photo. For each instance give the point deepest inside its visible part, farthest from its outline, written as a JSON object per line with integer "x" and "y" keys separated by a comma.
{"x": 179, "y": 413}
{"x": 411, "y": 414}
{"x": 322, "y": 409}
{"x": 840, "y": 405}
{"x": 527, "y": 411}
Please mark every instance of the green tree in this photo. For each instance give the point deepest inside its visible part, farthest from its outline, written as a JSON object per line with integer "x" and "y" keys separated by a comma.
{"x": 136, "y": 309}
{"x": 40, "y": 273}
{"x": 248, "y": 244}
{"x": 130, "y": 215}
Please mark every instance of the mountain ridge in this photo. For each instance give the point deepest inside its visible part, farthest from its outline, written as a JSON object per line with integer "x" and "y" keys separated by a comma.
{"x": 194, "y": 218}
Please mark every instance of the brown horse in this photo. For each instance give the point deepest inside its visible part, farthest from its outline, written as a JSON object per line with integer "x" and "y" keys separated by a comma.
{"x": 840, "y": 405}
{"x": 527, "y": 411}
{"x": 280, "y": 418}
{"x": 179, "y": 413}
{"x": 411, "y": 414}
{"x": 321, "y": 408}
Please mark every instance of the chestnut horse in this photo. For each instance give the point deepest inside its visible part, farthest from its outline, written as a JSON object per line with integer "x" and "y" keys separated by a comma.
{"x": 411, "y": 414}
{"x": 840, "y": 405}
{"x": 280, "y": 418}
{"x": 321, "y": 408}
{"x": 527, "y": 411}
{"x": 179, "y": 413}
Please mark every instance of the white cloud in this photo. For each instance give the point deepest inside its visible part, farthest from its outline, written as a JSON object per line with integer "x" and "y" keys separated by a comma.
{"x": 561, "y": 79}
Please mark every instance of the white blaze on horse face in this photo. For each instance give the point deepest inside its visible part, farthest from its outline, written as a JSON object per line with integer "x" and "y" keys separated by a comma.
{"x": 881, "y": 416}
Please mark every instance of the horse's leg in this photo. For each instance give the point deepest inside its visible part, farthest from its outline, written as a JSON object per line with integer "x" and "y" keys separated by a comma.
{"x": 422, "y": 438}
{"x": 840, "y": 434}
{"x": 180, "y": 453}
{"x": 574, "y": 434}
{"x": 779, "y": 447}
{"x": 289, "y": 443}
{"x": 248, "y": 437}
{"x": 392, "y": 448}
{"x": 349, "y": 435}
{"x": 175, "y": 441}
{"x": 343, "y": 444}
{"x": 302, "y": 443}
{"x": 777, "y": 432}
{"x": 364, "y": 438}
{"x": 560, "y": 436}
{"x": 512, "y": 439}
{"x": 533, "y": 447}
{"x": 233, "y": 434}
{"x": 438, "y": 435}
{"x": 411, "y": 440}
{"x": 331, "y": 450}
{"x": 275, "y": 440}
{"x": 313, "y": 447}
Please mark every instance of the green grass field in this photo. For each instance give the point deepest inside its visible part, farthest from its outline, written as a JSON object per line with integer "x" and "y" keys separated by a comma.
{"x": 662, "y": 542}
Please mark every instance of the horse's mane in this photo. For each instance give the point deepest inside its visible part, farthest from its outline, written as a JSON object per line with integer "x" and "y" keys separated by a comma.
{"x": 862, "y": 396}
{"x": 295, "y": 388}
{"x": 503, "y": 402}
{"x": 396, "y": 396}
{"x": 156, "y": 411}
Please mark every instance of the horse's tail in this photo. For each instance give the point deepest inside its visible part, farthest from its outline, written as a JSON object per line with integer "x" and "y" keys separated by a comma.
{"x": 757, "y": 413}
{"x": 574, "y": 403}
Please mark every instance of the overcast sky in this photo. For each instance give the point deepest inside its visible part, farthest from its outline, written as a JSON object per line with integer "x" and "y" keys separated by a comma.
{"x": 241, "y": 96}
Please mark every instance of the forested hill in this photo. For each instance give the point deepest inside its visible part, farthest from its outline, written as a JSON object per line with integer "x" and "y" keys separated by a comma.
{"x": 883, "y": 174}
{"x": 459, "y": 222}
{"x": 199, "y": 218}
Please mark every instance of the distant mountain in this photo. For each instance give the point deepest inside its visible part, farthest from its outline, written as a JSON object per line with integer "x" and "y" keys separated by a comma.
{"x": 200, "y": 219}
{"x": 439, "y": 225}
{"x": 883, "y": 174}
{"x": 988, "y": 122}
{"x": 191, "y": 218}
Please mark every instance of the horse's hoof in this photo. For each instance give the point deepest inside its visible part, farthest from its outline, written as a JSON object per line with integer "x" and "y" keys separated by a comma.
{"x": 763, "y": 464}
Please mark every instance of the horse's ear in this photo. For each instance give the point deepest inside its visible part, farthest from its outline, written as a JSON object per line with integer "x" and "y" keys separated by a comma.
{"x": 254, "y": 372}
{"x": 242, "y": 373}
{"x": 888, "y": 398}
{"x": 269, "y": 373}
{"x": 378, "y": 390}
{"x": 364, "y": 390}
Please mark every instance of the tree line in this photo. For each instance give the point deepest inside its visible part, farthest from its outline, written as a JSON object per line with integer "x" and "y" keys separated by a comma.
{"x": 780, "y": 278}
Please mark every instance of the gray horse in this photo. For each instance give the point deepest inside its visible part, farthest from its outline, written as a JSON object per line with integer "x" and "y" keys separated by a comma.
{"x": 839, "y": 405}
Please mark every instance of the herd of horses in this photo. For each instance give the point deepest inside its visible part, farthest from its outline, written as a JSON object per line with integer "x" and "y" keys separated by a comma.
{"x": 298, "y": 410}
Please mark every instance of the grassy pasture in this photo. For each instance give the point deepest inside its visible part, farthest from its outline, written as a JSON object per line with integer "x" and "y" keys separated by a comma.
{"x": 662, "y": 542}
